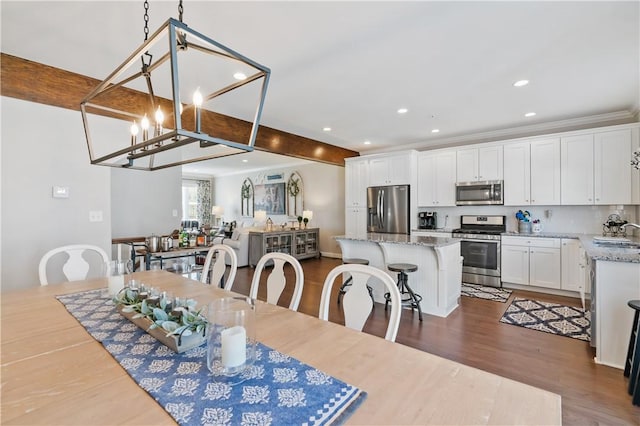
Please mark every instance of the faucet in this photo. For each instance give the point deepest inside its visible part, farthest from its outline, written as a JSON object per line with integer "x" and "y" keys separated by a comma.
{"x": 635, "y": 225}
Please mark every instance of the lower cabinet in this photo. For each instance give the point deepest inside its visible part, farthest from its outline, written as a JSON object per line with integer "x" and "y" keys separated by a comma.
{"x": 531, "y": 261}
{"x": 355, "y": 221}
{"x": 299, "y": 243}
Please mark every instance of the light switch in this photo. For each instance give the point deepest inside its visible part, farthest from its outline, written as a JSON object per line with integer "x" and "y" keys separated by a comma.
{"x": 95, "y": 216}
{"x": 174, "y": 212}
{"x": 60, "y": 192}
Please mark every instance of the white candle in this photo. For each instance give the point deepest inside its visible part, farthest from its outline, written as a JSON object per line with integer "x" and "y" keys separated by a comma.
{"x": 234, "y": 346}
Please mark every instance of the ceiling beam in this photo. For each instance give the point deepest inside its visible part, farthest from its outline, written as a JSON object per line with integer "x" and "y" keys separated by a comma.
{"x": 36, "y": 82}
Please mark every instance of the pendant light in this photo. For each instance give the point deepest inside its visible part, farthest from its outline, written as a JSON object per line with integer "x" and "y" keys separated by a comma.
{"x": 176, "y": 109}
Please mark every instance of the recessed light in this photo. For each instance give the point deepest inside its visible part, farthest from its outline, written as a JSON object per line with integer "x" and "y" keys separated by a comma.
{"x": 521, "y": 83}
{"x": 326, "y": 129}
{"x": 240, "y": 76}
{"x": 402, "y": 111}
{"x": 435, "y": 131}
{"x": 245, "y": 161}
{"x": 367, "y": 142}
{"x": 530, "y": 114}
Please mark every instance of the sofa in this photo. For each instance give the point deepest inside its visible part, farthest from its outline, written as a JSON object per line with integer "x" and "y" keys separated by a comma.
{"x": 239, "y": 242}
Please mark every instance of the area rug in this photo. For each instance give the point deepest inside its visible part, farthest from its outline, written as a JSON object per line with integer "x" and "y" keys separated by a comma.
{"x": 482, "y": 292}
{"x": 551, "y": 318}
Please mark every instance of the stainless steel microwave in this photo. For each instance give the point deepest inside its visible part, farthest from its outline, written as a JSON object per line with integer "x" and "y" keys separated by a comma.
{"x": 479, "y": 193}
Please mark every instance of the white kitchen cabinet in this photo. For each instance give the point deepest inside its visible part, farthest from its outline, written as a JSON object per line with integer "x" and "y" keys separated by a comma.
{"x": 595, "y": 168}
{"x": 572, "y": 265}
{"x": 437, "y": 179}
{"x": 545, "y": 172}
{"x": 479, "y": 164}
{"x": 532, "y": 173}
{"x": 517, "y": 174}
{"x": 531, "y": 261}
{"x": 355, "y": 221}
{"x": 391, "y": 170}
{"x": 356, "y": 182}
{"x": 515, "y": 264}
{"x": 612, "y": 167}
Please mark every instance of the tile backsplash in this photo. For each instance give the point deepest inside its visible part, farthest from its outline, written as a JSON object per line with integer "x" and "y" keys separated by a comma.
{"x": 572, "y": 219}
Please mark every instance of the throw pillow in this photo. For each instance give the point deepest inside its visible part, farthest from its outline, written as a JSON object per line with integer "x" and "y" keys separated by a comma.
{"x": 236, "y": 234}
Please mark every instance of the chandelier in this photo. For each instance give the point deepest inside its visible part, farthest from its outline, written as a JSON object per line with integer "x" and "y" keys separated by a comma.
{"x": 191, "y": 99}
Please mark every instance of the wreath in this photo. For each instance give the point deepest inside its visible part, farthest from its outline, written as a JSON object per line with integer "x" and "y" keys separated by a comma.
{"x": 294, "y": 190}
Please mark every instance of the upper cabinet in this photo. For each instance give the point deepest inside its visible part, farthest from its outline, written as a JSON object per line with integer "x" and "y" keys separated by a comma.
{"x": 532, "y": 173}
{"x": 596, "y": 168}
{"x": 357, "y": 181}
{"x": 479, "y": 164}
{"x": 437, "y": 179}
{"x": 391, "y": 170}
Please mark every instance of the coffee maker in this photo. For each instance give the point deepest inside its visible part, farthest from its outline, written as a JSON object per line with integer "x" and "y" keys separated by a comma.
{"x": 427, "y": 220}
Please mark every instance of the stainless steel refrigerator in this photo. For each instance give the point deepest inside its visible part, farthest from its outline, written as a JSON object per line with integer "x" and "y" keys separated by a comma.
{"x": 388, "y": 209}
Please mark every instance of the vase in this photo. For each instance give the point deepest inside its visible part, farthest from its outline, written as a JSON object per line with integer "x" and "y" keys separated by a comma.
{"x": 231, "y": 339}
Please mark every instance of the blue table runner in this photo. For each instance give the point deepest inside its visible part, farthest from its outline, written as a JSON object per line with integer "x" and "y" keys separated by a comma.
{"x": 277, "y": 389}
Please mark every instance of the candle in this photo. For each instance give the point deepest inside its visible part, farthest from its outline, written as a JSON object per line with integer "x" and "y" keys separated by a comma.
{"x": 116, "y": 283}
{"x": 159, "y": 120}
{"x": 145, "y": 127}
{"x": 134, "y": 133}
{"x": 234, "y": 346}
{"x": 197, "y": 102}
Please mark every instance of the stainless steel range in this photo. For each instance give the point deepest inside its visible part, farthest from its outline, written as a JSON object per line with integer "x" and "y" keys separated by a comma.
{"x": 480, "y": 247}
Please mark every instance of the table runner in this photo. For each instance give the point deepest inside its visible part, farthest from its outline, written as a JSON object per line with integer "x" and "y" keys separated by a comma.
{"x": 277, "y": 389}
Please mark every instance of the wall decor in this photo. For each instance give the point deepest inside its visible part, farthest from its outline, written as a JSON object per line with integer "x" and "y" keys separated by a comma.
{"x": 247, "y": 198}
{"x": 295, "y": 195}
{"x": 270, "y": 197}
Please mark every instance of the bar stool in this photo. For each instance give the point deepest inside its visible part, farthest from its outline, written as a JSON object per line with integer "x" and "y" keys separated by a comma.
{"x": 347, "y": 283}
{"x": 408, "y": 297}
{"x": 632, "y": 366}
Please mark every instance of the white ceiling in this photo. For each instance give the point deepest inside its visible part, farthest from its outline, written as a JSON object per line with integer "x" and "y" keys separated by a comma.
{"x": 351, "y": 65}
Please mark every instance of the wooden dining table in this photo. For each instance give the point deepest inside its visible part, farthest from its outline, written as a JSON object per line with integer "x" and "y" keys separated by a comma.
{"x": 54, "y": 372}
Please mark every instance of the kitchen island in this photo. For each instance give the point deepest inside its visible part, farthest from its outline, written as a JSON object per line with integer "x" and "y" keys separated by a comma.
{"x": 439, "y": 275}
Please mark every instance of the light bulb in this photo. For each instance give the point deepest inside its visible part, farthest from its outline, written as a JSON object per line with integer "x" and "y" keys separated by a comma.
{"x": 197, "y": 98}
{"x": 134, "y": 129}
{"x": 144, "y": 123}
{"x": 159, "y": 117}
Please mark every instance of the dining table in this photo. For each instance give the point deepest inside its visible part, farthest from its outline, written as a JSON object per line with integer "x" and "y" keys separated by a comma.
{"x": 55, "y": 372}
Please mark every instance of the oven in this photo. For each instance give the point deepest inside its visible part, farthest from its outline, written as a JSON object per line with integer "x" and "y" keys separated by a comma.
{"x": 480, "y": 248}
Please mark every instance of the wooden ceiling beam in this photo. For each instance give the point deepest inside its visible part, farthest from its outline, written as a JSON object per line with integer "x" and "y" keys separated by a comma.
{"x": 36, "y": 82}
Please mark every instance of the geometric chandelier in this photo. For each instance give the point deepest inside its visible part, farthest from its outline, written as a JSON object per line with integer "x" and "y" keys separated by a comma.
{"x": 179, "y": 98}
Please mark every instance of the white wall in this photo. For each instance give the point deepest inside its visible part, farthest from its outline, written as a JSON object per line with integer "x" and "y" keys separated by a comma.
{"x": 324, "y": 195}
{"x": 143, "y": 203}
{"x": 43, "y": 146}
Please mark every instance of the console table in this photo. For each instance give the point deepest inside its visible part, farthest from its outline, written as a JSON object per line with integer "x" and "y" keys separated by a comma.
{"x": 299, "y": 243}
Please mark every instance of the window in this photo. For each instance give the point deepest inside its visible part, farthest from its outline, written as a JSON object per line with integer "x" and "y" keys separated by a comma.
{"x": 196, "y": 200}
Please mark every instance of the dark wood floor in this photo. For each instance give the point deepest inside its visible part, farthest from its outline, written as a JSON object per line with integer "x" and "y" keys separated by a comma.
{"x": 472, "y": 335}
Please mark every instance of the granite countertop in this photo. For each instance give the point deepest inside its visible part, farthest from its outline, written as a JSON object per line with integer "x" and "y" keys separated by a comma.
{"x": 446, "y": 230}
{"x": 403, "y": 239}
{"x": 594, "y": 251}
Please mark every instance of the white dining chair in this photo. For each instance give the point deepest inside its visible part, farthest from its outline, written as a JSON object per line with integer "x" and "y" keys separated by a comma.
{"x": 356, "y": 303}
{"x": 76, "y": 266}
{"x": 277, "y": 281}
{"x": 219, "y": 266}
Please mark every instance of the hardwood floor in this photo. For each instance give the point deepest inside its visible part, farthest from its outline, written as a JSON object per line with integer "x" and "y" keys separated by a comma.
{"x": 472, "y": 335}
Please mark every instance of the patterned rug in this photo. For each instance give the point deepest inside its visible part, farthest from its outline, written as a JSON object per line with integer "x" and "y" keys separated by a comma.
{"x": 552, "y": 318}
{"x": 482, "y": 292}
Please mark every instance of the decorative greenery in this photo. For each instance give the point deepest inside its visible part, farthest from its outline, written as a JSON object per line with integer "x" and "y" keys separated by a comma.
{"x": 294, "y": 189}
{"x": 177, "y": 321}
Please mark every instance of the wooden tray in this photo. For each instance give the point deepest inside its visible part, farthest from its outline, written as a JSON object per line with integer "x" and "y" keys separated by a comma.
{"x": 176, "y": 343}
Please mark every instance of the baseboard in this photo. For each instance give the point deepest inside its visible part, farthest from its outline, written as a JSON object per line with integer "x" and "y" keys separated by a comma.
{"x": 332, "y": 255}
{"x": 554, "y": 291}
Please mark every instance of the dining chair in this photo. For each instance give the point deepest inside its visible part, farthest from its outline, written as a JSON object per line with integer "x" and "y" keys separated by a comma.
{"x": 76, "y": 266}
{"x": 277, "y": 281}
{"x": 219, "y": 266}
{"x": 356, "y": 303}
